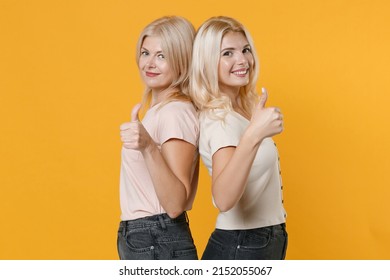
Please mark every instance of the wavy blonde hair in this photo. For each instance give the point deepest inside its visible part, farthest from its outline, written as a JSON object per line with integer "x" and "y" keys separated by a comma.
{"x": 177, "y": 37}
{"x": 204, "y": 88}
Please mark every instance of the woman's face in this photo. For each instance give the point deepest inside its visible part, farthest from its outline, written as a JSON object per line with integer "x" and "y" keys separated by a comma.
{"x": 153, "y": 67}
{"x": 235, "y": 63}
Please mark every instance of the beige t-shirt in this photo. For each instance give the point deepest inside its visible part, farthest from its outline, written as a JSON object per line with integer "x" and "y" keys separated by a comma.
{"x": 138, "y": 198}
{"x": 262, "y": 203}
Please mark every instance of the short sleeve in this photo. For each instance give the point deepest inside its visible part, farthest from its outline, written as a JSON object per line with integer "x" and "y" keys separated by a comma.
{"x": 222, "y": 133}
{"x": 178, "y": 120}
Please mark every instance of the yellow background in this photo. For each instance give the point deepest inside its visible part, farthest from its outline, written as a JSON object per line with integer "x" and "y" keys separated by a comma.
{"x": 68, "y": 79}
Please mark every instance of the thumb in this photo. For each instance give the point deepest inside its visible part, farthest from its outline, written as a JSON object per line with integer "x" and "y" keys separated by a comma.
{"x": 263, "y": 98}
{"x": 134, "y": 112}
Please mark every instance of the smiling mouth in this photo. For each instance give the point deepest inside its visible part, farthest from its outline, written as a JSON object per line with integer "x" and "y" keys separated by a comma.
{"x": 151, "y": 74}
{"x": 240, "y": 72}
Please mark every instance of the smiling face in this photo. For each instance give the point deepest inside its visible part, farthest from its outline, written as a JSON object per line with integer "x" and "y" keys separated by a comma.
{"x": 153, "y": 66}
{"x": 235, "y": 64}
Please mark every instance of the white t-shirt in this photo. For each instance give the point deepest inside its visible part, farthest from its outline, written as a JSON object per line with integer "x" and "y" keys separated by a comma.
{"x": 138, "y": 198}
{"x": 261, "y": 203}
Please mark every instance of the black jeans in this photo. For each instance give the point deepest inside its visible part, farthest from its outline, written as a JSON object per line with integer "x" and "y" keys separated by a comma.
{"x": 156, "y": 237}
{"x": 266, "y": 243}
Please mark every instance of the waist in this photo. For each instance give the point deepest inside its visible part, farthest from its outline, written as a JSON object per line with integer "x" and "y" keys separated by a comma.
{"x": 155, "y": 220}
{"x": 272, "y": 230}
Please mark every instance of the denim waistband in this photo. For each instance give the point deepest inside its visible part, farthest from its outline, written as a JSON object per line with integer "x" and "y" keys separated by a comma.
{"x": 275, "y": 229}
{"x": 280, "y": 227}
{"x": 153, "y": 221}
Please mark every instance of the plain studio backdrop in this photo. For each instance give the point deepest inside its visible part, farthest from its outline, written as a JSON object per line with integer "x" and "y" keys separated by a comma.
{"x": 68, "y": 79}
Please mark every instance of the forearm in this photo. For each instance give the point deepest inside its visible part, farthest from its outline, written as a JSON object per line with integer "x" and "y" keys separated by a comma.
{"x": 171, "y": 192}
{"x": 229, "y": 185}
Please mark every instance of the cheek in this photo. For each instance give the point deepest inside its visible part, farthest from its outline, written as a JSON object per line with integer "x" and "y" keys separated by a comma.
{"x": 223, "y": 67}
{"x": 164, "y": 67}
{"x": 141, "y": 64}
{"x": 167, "y": 70}
{"x": 251, "y": 61}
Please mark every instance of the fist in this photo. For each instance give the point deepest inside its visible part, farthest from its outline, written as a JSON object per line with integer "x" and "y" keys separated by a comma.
{"x": 266, "y": 122}
{"x": 133, "y": 134}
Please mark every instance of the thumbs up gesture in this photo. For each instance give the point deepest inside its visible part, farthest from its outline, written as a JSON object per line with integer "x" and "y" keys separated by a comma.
{"x": 134, "y": 113}
{"x": 266, "y": 121}
{"x": 133, "y": 134}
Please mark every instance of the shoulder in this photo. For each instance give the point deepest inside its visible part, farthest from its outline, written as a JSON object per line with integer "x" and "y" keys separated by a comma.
{"x": 177, "y": 112}
{"x": 220, "y": 118}
{"x": 178, "y": 107}
{"x": 219, "y": 129}
{"x": 178, "y": 119}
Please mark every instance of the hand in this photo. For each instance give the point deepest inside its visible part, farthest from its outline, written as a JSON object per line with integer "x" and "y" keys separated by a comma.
{"x": 133, "y": 134}
{"x": 266, "y": 122}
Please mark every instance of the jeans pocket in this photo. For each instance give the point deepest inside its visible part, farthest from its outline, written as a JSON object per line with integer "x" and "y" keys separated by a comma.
{"x": 256, "y": 239}
{"x": 139, "y": 240}
{"x": 261, "y": 244}
{"x": 136, "y": 245}
{"x": 175, "y": 243}
{"x": 185, "y": 254}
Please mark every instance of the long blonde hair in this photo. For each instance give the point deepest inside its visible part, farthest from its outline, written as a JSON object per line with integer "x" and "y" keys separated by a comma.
{"x": 177, "y": 36}
{"x": 204, "y": 89}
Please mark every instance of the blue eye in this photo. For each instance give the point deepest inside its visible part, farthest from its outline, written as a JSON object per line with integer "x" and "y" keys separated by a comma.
{"x": 161, "y": 56}
{"x": 144, "y": 53}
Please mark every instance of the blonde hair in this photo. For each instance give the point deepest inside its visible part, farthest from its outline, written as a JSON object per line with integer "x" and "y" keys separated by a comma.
{"x": 204, "y": 89}
{"x": 177, "y": 36}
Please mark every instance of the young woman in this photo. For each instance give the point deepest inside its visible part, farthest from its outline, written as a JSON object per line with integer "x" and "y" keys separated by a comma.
{"x": 159, "y": 168}
{"x": 235, "y": 144}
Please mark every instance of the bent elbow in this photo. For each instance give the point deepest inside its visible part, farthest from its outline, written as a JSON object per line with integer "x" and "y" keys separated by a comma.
{"x": 174, "y": 214}
{"x": 223, "y": 207}
{"x": 177, "y": 208}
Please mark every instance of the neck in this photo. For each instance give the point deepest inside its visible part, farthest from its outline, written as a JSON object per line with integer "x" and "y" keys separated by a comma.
{"x": 235, "y": 99}
{"x": 159, "y": 96}
{"x": 234, "y": 96}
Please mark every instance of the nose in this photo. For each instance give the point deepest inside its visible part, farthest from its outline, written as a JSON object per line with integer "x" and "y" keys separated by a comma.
{"x": 242, "y": 59}
{"x": 150, "y": 63}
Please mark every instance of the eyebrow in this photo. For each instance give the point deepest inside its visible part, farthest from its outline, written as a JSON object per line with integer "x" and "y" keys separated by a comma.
{"x": 232, "y": 49}
{"x": 145, "y": 49}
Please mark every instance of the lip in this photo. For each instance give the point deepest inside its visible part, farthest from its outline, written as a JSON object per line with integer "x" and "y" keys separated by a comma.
{"x": 151, "y": 74}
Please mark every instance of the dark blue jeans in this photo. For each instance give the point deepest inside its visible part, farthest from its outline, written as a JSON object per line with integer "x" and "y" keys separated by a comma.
{"x": 266, "y": 243}
{"x": 156, "y": 237}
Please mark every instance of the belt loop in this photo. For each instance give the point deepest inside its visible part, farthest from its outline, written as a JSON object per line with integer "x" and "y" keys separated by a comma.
{"x": 124, "y": 228}
{"x": 273, "y": 231}
{"x": 162, "y": 223}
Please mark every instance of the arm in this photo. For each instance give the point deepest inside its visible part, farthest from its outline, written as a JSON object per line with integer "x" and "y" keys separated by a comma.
{"x": 231, "y": 165}
{"x": 170, "y": 169}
